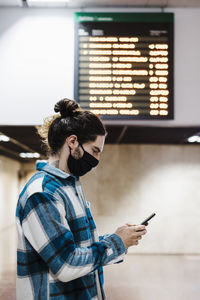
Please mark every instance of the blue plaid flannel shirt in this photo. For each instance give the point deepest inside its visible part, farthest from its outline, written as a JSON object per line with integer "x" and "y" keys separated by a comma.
{"x": 60, "y": 255}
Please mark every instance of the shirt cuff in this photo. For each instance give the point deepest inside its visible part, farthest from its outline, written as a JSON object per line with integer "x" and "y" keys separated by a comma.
{"x": 116, "y": 244}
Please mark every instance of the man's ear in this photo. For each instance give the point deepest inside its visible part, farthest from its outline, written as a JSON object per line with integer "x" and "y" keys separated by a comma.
{"x": 72, "y": 141}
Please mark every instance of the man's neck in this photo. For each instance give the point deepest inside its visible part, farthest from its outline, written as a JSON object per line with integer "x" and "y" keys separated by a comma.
{"x": 59, "y": 162}
{"x": 54, "y": 163}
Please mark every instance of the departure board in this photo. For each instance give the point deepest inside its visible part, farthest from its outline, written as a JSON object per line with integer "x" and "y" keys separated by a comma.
{"x": 124, "y": 65}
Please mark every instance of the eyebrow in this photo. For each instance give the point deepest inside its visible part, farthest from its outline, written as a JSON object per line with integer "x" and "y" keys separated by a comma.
{"x": 97, "y": 148}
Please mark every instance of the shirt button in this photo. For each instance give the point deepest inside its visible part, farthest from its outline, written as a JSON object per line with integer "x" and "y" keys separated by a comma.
{"x": 76, "y": 194}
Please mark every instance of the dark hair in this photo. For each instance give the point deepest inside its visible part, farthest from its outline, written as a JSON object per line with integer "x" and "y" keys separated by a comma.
{"x": 71, "y": 120}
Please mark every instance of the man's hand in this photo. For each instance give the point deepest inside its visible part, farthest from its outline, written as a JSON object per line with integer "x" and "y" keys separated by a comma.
{"x": 131, "y": 234}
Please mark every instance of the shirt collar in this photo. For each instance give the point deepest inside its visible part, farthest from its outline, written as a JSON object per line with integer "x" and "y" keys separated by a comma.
{"x": 42, "y": 165}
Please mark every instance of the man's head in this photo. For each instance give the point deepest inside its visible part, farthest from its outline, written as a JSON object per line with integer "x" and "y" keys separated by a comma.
{"x": 92, "y": 147}
{"x": 76, "y": 135}
{"x": 81, "y": 158}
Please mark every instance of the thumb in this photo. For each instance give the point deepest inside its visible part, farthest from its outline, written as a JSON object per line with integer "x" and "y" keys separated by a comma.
{"x": 130, "y": 224}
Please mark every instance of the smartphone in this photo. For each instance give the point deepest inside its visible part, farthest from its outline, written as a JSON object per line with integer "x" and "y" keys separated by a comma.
{"x": 147, "y": 219}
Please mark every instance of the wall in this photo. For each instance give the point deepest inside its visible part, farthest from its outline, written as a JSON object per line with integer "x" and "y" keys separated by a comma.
{"x": 37, "y": 59}
{"x": 133, "y": 181}
{"x": 9, "y": 190}
{"x": 130, "y": 183}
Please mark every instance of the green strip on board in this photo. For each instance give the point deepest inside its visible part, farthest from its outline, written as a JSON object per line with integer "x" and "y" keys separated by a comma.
{"x": 124, "y": 17}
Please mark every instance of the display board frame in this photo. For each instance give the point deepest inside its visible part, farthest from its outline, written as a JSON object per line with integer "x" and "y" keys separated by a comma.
{"x": 105, "y": 25}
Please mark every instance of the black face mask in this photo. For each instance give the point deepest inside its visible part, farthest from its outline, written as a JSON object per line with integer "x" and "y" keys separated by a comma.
{"x": 81, "y": 166}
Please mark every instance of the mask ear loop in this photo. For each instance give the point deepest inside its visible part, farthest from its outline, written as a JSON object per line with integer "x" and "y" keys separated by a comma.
{"x": 82, "y": 147}
{"x": 70, "y": 150}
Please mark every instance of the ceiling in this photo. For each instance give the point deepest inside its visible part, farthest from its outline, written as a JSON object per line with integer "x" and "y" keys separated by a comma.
{"x": 25, "y": 138}
{"x": 110, "y": 3}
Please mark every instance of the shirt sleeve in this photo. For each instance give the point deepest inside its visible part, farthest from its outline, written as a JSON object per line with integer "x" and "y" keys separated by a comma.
{"x": 120, "y": 258}
{"x": 46, "y": 228}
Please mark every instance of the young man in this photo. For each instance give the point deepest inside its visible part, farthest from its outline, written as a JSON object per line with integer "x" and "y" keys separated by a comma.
{"x": 60, "y": 255}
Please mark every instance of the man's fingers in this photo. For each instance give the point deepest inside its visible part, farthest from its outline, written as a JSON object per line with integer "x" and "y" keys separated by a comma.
{"x": 139, "y": 227}
{"x": 137, "y": 234}
{"x": 142, "y": 232}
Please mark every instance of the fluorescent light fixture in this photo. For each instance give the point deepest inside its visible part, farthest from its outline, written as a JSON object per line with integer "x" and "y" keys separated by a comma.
{"x": 47, "y": 3}
{"x": 11, "y": 3}
{"x": 4, "y": 138}
{"x": 29, "y": 155}
{"x": 194, "y": 139}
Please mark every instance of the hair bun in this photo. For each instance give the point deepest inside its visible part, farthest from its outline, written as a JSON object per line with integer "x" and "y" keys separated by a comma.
{"x": 66, "y": 107}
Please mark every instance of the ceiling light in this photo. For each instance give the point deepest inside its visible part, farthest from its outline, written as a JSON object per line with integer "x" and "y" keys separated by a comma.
{"x": 194, "y": 139}
{"x": 47, "y": 3}
{"x": 29, "y": 155}
{"x": 4, "y": 138}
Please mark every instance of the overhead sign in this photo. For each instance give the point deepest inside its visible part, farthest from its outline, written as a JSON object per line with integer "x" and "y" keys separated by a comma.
{"x": 124, "y": 65}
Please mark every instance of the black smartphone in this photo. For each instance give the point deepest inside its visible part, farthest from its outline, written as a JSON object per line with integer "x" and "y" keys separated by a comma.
{"x": 147, "y": 219}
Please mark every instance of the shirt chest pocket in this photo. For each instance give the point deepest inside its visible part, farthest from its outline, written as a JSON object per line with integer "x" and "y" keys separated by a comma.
{"x": 80, "y": 229}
